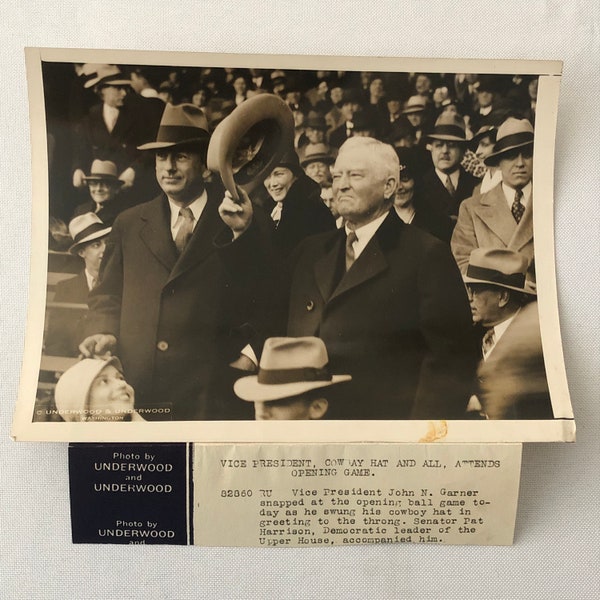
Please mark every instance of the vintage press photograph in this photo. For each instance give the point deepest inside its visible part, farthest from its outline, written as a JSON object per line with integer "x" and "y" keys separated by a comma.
{"x": 232, "y": 248}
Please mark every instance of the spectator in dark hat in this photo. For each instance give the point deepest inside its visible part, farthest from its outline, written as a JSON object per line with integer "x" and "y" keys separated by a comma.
{"x": 393, "y": 105}
{"x": 351, "y": 104}
{"x": 316, "y": 160}
{"x": 414, "y": 209}
{"x": 315, "y": 130}
{"x": 482, "y": 144}
{"x": 365, "y": 124}
{"x": 447, "y": 184}
{"x": 298, "y": 210}
{"x": 511, "y": 377}
{"x": 503, "y": 216}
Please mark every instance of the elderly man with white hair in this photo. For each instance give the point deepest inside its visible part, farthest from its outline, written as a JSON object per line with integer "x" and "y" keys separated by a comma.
{"x": 386, "y": 298}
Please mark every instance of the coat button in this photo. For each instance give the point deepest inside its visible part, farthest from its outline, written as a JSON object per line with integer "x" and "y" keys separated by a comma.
{"x": 310, "y": 305}
{"x": 162, "y": 346}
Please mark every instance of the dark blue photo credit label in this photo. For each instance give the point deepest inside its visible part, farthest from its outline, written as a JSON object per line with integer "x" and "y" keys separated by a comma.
{"x": 130, "y": 493}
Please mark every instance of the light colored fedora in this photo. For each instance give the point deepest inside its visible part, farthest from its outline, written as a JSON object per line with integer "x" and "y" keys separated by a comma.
{"x": 450, "y": 128}
{"x": 181, "y": 124}
{"x": 500, "y": 267}
{"x": 86, "y": 228}
{"x": 512, "y": 134}
{"x": 103, "y": 170}
{"x": 288, "y": 367}
{"x": 107, "y": 75}
{"x": 247, "y": 144}
{"x": 414, "y": 104}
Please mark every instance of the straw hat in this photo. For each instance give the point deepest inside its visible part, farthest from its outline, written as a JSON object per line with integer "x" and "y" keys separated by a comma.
{"x": 86, "y": 228}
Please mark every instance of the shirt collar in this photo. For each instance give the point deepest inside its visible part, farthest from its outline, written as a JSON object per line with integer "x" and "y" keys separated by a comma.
{"x": 197, "y": 207}
{"x": 365, "y": 233}
{"x": 509, "y": 194}
{"x": 453, "y": 176}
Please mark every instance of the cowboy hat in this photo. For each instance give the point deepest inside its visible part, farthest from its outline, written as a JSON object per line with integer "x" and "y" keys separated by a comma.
{"x": 288, "y": 367}
{"x": 86, "y": 228}
{"x": 499, "y": 267}
{"x": 181, "y": 124}
{"x": 512, "y": 134}
{"x": 248, "y": 144}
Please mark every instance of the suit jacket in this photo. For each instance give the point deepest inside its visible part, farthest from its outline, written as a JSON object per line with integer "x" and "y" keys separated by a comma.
{"x": 303, "y": 214}
{"x": 398, "y": 321}
{"x": 181, "y": 320}
{"x": 485, "y": 221}
{"x": 433, "y": 190}
{"x": 65, "y": 326}
{"x": 93, "y": 140}
{"x": 512, "y": 379}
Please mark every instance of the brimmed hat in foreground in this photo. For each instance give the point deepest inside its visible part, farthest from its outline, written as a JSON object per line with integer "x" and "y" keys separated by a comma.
{"x": 104, "y": 170}
{"x": 73, "y": 387}
{"x": 86, "y": 228}
{"x": 512, "y": 134}
{"x": 288, "y": 367}
{"x": 500, "y": 267}
{"x": 449, "y": 128}
{"x": 179, "y": 125}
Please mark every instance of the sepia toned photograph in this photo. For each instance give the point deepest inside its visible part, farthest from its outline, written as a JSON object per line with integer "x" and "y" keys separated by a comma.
{"x": 226, "y": 247}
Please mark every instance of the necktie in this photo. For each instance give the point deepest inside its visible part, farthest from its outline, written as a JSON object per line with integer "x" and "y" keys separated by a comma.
{"x": 185, "y": 229}
{"x": 517, "y": 209}
{"x": 350, "y": 258}
{"x": 488, "y": 341}
{"x": 450, "y": 187}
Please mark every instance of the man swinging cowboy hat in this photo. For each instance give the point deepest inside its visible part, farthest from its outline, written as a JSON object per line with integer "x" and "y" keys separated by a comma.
{"x": 176, "y": 297}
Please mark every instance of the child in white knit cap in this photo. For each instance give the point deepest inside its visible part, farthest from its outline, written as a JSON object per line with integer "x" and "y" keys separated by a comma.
{"x": 95, "y": 390}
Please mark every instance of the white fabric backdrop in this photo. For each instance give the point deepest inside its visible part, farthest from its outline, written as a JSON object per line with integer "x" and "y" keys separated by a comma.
{"x": 556, "y": 554}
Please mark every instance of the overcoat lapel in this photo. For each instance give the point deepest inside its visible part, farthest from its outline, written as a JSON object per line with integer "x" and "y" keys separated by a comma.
{"x": 326, "y": 267}
{"x": 494, "y": 212}
{"x": 156, "y": 233}
{"x": 372, "y": 259}
{"x": 523, "y": 234}
{"x": 201, "y": 243}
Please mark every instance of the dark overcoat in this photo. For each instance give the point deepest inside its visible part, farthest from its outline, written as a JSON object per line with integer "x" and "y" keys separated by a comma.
{"x": 434, "y": 191}
{"x": 398, "y": 321}
{"x": 181, "y": 320}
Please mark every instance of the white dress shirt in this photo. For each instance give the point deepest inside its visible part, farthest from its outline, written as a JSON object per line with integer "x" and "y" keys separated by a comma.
{"x": 364, "y": 234}
{"x": 197, "y": 206}
{"x": 509, "y": 194}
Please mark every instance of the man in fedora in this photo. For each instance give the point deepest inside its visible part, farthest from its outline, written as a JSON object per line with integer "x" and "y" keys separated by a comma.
{"x": 104, "y": 186}
{"x": 446, "y": 184}
{"x": 503, "y": 216}
{"x": 511, "y": 377}
{"x": 175, "y": 297}
{"x": 113, "y": 129}
{"x": 64, "y": 328}
{"x": 386, "y": 298}
{"x": 291, "y": 382}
